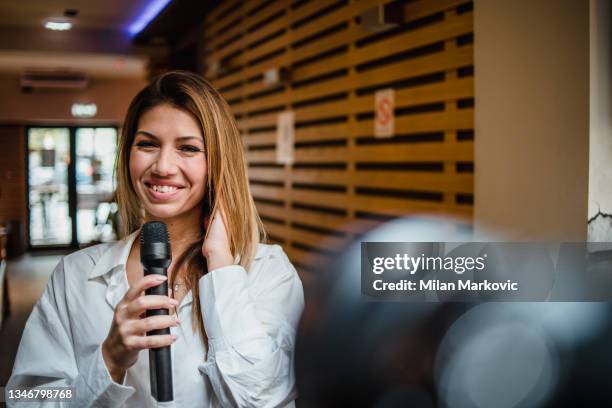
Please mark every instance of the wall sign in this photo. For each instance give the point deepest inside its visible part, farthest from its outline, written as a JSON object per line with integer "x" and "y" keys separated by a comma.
{"x": 285, "y": 137}
{"x": 84, "y": 110}
{"x": 384, "y": 108}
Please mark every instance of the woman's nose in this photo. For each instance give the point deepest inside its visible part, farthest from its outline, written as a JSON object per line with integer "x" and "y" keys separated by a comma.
{"x": 165, "y": 163}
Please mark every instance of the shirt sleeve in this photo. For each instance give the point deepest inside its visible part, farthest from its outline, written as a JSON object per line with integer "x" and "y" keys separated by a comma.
{"x": 46, "y": 356}
{"x": 251, "y": 322}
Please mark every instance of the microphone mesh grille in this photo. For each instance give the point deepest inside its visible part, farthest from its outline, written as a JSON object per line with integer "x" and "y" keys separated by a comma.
{"x": 154, "y": 231}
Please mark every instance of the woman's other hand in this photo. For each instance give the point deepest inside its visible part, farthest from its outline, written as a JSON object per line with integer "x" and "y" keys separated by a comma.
{"x": 216, "y": 247}
{"x": 127, "y": 335}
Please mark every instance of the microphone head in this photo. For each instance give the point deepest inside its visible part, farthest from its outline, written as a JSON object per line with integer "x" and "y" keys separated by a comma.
{"x": 154, "y": 231}
{"x": 154, "y": 244}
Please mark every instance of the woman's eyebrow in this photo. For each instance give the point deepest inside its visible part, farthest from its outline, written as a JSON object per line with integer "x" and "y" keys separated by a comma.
{"x": 145, "y": 133}
{"x": 152, "y": 136}
{"x": 189, "y": 137}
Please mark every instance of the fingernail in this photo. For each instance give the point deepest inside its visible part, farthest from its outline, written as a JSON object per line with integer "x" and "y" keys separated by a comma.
{"x": 173, "y": 302}
{"x": 160, "y": 278}
{"x": 178, "y": 321}
{"x": 174, "y": 337}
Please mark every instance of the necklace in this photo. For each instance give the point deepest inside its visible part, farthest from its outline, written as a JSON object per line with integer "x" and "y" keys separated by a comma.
{"x": 178, "y": 287}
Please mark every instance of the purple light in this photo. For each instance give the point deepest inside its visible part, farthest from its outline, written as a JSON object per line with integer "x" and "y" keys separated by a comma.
{"x": 152, "y": 9}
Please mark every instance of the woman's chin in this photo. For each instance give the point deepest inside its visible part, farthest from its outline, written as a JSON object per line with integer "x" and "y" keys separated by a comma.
{"x": 161, "y": 212}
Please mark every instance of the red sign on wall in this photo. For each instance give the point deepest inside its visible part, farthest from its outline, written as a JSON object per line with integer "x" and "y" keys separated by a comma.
{"x": 384, "y": 108}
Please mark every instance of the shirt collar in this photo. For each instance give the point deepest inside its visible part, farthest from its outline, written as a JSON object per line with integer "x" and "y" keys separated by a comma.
{"x": 115, "y": 256}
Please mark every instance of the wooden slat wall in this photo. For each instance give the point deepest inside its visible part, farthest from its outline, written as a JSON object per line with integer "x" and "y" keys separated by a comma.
{"x": 344, "y": 181}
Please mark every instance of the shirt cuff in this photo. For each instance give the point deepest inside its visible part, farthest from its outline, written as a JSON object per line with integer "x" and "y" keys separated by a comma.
{"x": 103, "y": 389}
{"x": 228, "y": 311}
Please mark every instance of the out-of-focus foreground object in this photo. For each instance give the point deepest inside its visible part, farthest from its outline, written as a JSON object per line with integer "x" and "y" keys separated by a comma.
{"x": 354, "y": 352}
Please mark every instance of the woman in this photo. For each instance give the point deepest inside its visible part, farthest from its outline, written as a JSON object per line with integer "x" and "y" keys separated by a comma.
{"x": 180, "y": 160}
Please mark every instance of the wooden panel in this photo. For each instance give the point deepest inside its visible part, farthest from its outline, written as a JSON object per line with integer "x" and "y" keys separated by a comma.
{"x": 12, "y": 171}
{"x": 344, "y": 181}
{"x": 13, "y": 184}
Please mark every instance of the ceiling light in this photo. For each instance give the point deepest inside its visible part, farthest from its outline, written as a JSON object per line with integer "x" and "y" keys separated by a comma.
{"x": 58, "y": 25}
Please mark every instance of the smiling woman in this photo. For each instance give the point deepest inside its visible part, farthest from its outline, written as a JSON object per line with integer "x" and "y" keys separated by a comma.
{"x": 236, "y": 301}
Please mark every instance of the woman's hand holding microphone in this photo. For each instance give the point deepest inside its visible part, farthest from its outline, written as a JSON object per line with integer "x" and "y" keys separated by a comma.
{"x": 127, "y": 335}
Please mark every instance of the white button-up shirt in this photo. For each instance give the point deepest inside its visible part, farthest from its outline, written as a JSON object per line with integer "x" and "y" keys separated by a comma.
{"x": 250, "y": 319}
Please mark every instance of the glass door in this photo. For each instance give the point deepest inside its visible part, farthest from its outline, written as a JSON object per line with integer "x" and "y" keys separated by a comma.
{"x": 70, "y": 185}
{"x": 95, "y": 160}
{"x": 48, "y": 162}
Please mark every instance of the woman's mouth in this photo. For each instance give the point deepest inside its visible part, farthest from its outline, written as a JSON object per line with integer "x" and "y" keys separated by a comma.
{"x": 160, "y": 192}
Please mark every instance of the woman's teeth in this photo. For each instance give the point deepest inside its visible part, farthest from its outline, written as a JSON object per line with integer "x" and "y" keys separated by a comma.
{"x": 164, "y": 189}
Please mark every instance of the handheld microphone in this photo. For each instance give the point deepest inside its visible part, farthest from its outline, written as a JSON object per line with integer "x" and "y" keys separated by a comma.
{"x": 155, "y": 256}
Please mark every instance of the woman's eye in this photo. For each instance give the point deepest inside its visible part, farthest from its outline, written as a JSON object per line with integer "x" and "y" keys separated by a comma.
{"x": 145, "y": 144}
{"x": 190, "y": 149}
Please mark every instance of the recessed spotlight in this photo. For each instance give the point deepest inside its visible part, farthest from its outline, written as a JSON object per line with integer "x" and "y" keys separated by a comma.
{"x": 58, "y": 25}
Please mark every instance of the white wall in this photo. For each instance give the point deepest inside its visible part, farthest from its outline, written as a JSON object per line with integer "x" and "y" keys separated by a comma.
{"x": 532, "y": 118}
{"x": 600, "y": 156}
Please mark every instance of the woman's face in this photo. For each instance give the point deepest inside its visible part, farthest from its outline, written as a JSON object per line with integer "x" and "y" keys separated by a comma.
{"x": 167, "y": 163}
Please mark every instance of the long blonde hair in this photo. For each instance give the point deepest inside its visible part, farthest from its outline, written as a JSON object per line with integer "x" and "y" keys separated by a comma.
{"x": 227, "y": 179}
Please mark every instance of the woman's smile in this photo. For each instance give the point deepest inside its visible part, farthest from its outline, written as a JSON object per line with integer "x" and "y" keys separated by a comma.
{"x": 162, "y": 192}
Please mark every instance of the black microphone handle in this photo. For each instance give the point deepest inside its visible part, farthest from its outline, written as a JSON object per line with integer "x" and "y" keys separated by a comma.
{"x": 160, "y": 360}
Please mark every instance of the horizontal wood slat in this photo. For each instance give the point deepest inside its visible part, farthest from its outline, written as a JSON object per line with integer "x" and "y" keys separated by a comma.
{"x": 461, "y": 183}
{"x": 444, "y": 91}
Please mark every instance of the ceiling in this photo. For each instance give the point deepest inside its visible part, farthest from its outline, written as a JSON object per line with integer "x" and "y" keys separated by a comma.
{"x": 92, "y": 14}
{"x": 98, "y": 44}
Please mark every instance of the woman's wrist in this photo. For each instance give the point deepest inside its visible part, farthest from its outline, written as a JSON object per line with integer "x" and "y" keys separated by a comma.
{"x": 116, "y": 373}
{"x": 218, "y": 258}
